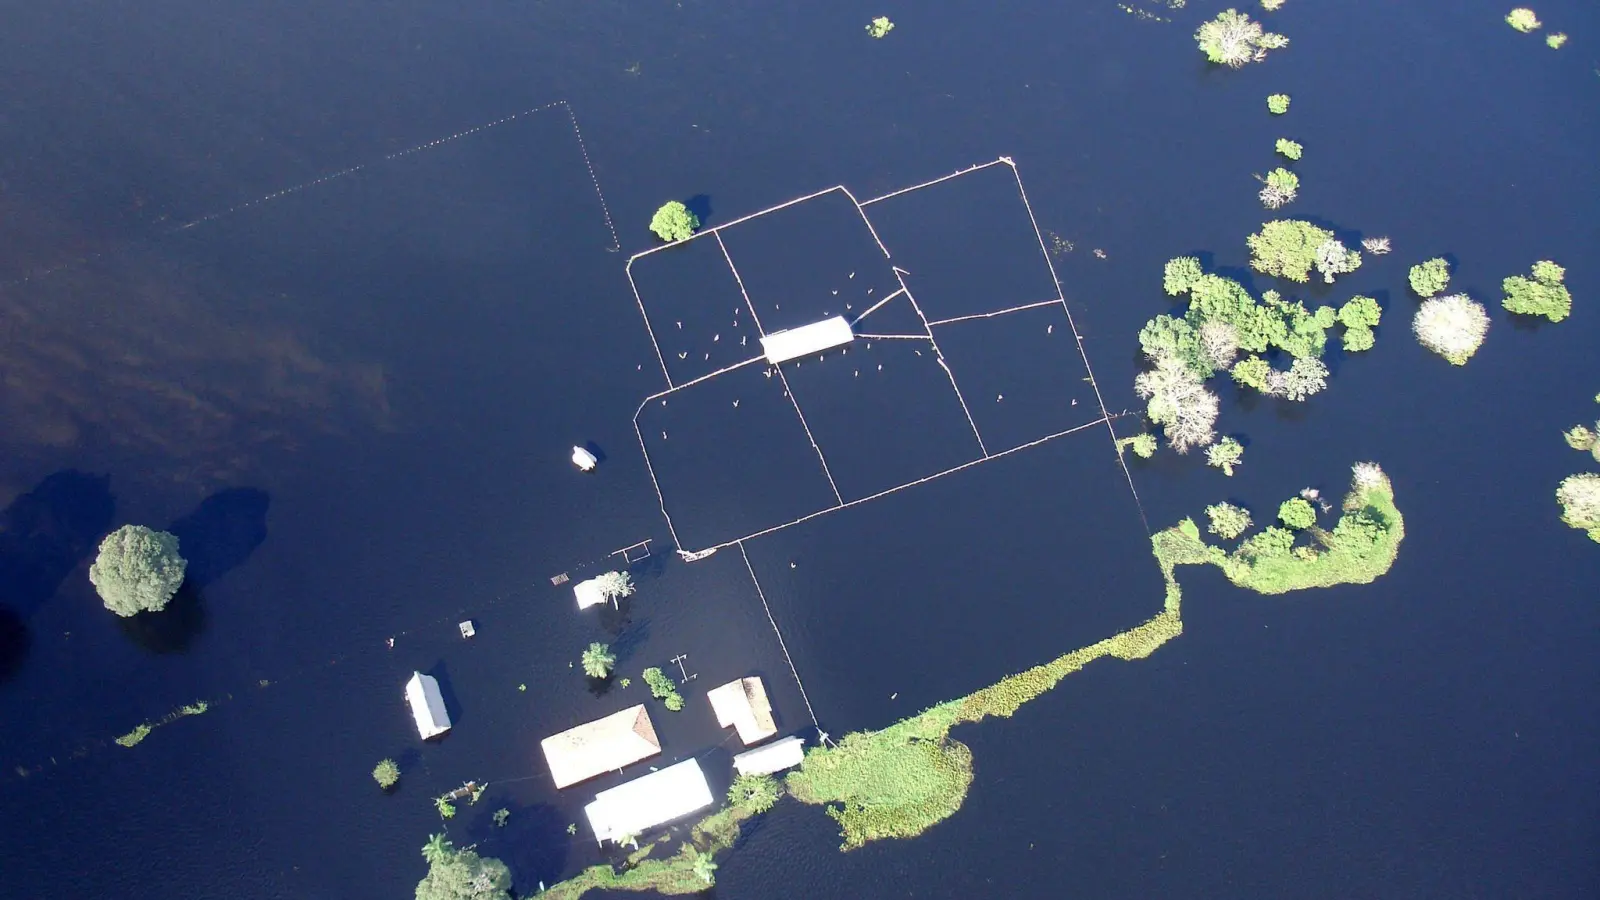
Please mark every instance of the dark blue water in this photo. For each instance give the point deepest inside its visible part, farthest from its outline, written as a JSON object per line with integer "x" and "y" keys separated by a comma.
{"x": 355, "y": 403}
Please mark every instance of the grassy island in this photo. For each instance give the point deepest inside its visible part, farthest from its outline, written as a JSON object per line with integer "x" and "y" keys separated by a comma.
{"x": 1361, "y": 547}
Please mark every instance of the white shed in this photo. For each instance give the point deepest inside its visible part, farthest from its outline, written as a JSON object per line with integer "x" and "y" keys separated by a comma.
{"x": 583, "y": 459}
{"x": 589, "y": 593}
{"x": 643, "y": 803}
{"x": 783, "y": 346}
{"x": 427, "y": 705}
{"x": 774, "y": 757}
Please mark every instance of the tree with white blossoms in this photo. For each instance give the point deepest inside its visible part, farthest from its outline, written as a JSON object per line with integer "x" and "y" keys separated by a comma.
{"x": 1334, "y": 258}
{"x": 1232, "y": 39}
{"x": 1579, "y": 496}
{"x": 1179, "y": 402}
{"x": 1304, "y": 377}
{"x": 1453, "y": 326}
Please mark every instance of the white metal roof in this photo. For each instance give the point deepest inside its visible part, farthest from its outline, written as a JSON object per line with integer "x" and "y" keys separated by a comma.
{"x": 643, "y": 803}
{"x": 774, "y": 757}
{"x": 427, "y": 705}
{"x": 744, "y": 705}
{"x": 583, "y": 459}
{"x": 814, "y": 338}
{"x": 589, "y": 593}
{"x": 604, "y": 745}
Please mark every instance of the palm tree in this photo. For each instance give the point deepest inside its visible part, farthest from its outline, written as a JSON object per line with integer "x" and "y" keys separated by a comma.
{"x": 614, "y": 585}
{"x": 598, "y": 660}
{"x": 437, "y": 850}
{"x": 704, "y": 866}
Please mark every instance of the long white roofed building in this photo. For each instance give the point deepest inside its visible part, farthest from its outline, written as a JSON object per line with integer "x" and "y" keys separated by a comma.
{"x": 644, "y": 803}
{"x": 427, "y": 705}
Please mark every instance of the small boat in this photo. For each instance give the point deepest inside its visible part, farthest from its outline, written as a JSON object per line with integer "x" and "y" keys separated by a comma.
{"x": 583, "y": 459}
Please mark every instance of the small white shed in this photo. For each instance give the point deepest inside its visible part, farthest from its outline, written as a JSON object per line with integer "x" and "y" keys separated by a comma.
{"x": 427, "y": 705}
{"x": 589, "y": 593}
{"x": 583, "y": 459}
{"x": 774, "y": 757}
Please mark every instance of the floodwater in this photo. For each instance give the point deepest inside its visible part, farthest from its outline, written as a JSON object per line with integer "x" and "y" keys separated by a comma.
{"x": 354, "y": 402}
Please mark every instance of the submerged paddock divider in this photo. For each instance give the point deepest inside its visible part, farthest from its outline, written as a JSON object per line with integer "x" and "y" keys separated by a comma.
{"x": 1093, "y": 382}
{"x": 771, "y": 209}
{"x": 914, "y": 187}
{"x": 874, "y": 307}
{"x": 866, "y": 220}
{"x": 789, "y": 392}
{"x": 990, "y": 315}
{"x": 939, "y": 357}
{"x": 895, "y": 337}
{"x": 900, "y": 487}
{"x": 661, "y": 501}
{"x": 706, "y": 377}
{"x": 782, "y": 644}
{"x": 628, "y": 270}
{"x": 616, "y": 243}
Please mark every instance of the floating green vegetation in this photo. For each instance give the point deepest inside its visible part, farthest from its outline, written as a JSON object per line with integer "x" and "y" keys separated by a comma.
{"x": 1271, "y": 5}
{"x": 1291, "y": 248}
{"x": 135, "y": 736}
{"x": 1277, "y": 104}
{"x": 598, "y": 660}
{"x": 1361, "y": 547}
{"x": 386, "y": 773}
{"x": 193, "y": 709}
{"x": 1142, "y": 445}
{"x": 902, "y": 780}
{"x": 1555, "y": 40}
{"x": 447, "y": 810}
{"x": 1228, "y": 521}
{"x": 501, "y": 816}
{"x": 1225, "y": 454}
{"x": 1453, "y": 327}
{"x": 461, "y": 874}
{"x": 1232, "y": 39}
{"x": 1523, "y": 20}
{"x": 1359, "y": 315}
{"x": 1429, "y": 278}
{"x": 674, "y": 222}
{"x": 137, "y": 570}
{"x": 1279, "y": 188}
{"x": 1289, "y": 149}
{"x": 1545, "y": 294}
{"x": 662, "y": 688}
{"x": 880, "y": 26}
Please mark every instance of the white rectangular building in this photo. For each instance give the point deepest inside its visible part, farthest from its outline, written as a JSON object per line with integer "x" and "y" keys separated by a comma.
{"x": 589, "y": 593}
{"x": 774, "y": 757}
{"x": 744, "y": 705}
{"x": 644, "y": 803}
{"x": 427, "y": 705}
{"x": 783, "y": 346}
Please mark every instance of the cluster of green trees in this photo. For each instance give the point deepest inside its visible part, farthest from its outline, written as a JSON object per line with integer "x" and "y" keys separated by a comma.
{"x": 1430, "y": 277}
{"x": 1359, "y": 315}
{"x": 662, "y": 688}
{"x": 137, "y": 570}
{"x": 880, "y": 26}
{"x": 1277, "y": 104}
{"x": 1289, "y": 149}
{"x": 1545, "y": 294}
{"x": 1232, "y": 39}
{"x": 1279, "y": 188}
{"x": 1290, "y": 248}
{"x": 1579, "y": 495}
{"x": 461, "y": 874}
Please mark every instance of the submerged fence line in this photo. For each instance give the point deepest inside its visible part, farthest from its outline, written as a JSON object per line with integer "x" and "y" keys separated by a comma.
{"x": 939, "y": 357}
{"x": 1093, "y": 382}
{"x": 782, "y": 644}
{"x": 917, "y": 187}
{"x": 998, "y": 312}
{"x": 874, "y": 307}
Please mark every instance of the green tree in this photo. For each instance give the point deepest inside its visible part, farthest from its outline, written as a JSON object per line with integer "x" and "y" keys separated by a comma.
{"x": 461, "y": 874}
{"x": 1297, "y": 513}
{"x": 880, "y": 26}
{"x": 1277, "y": 104}
{"x": 1555, "y": 41}
{"x": 1523, "y": 19}
{"x": 757, "y": 793}
{"x": 662, "y": 688}
{"x": 386, "y": 774}
{"x": 598, "y": 660}
{"x": 1360, "y": 311}
{"x": 1228, "y": 521}
{"x": 1580, "y": 437}
{"x": 1544, "y": 294}
{"x": 1287, "y": 248}
{"x": 705, "y": 867}
{"x": 138, "y": 570}
{"x": 674, "y": 222}
{"x": 1232, "y": 39}
{"x": 1252, "y": 371}
{"x": 1280, "y": 187}
{"x": 1181, "y": 274}
{"x": 1143, "y": 445}
{"x": 1431, "y": 277}
{"x": 1225, "y": 454}
{"x": 1289, "y": 149}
